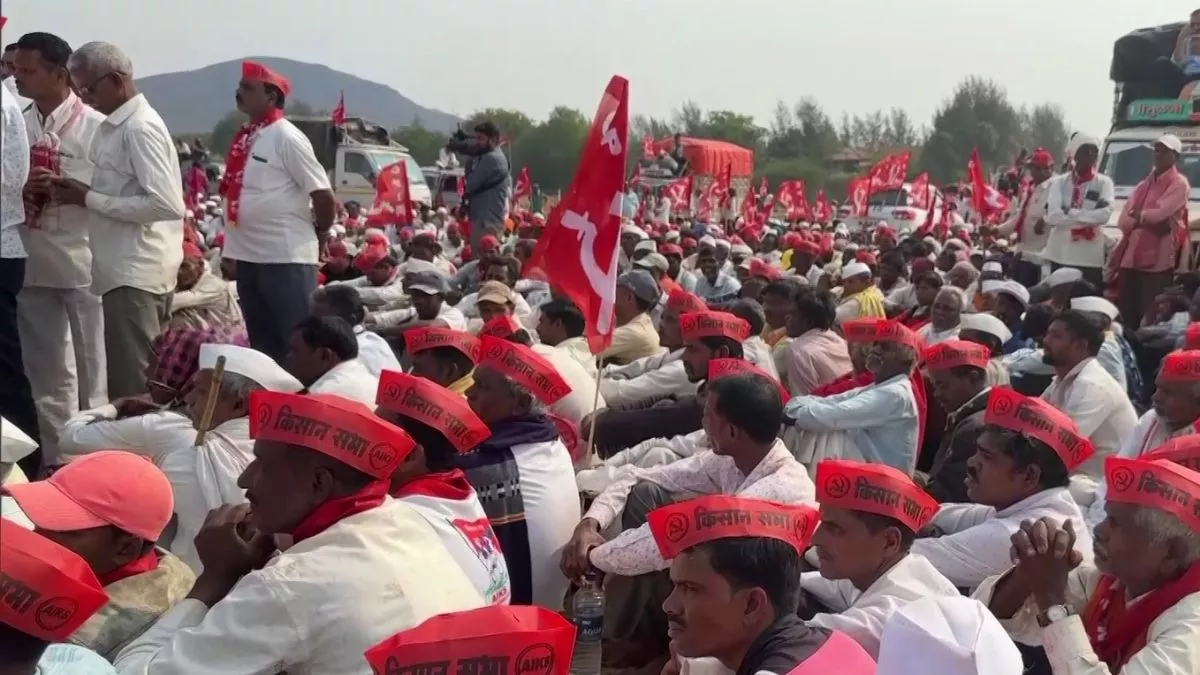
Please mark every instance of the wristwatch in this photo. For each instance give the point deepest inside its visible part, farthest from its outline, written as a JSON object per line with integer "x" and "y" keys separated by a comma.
{"x": 1055, "y": 613}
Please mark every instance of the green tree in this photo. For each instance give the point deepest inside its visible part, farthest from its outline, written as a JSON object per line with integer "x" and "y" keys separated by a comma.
{"x": 551, "y": 149}
{"x": 423, "y": 144}
{"x": 513, "y": 124}
{"x": 1044, "y": 127}
{"x": 977, "y": 115}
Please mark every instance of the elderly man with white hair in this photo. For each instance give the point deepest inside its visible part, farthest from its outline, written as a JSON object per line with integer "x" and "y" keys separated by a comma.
{"x": 1078, "y": 207}
{"x": 945, "y": 316}
{"x": 135, "y": 212}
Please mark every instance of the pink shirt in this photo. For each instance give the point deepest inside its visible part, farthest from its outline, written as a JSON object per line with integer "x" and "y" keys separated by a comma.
{"x": 1159, "y": 197}
{"x": 818, "y": 357}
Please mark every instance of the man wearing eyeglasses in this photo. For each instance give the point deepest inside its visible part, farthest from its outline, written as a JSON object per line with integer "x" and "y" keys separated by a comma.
{"x": 135, "y": 212}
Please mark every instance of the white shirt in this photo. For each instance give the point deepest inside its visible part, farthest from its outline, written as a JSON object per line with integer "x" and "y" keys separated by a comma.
{"x": 647, "y": 379}
{"x": 1029, "y": 246}
{"x": 348, "y": 379}
{"x": 150, "y": 435}
{"x": 582, "y": 400}
{"x": 863, "y": 614}
{"x": 758, "y": 352}
{"x": 135, "y": 207}
{"x": 452, "y": 509}
{"x": 1150, "y": 433}
{"x": 778, "y": 478}
{"x": 1103, "y": 413}
{"x": 1061, "y": 218}
{"x": 375, "y": 352}
{"x": 931, "y": 336}
{"x": 14, "y": 173}
{"x": 644, "y": 455}
{"x": 275, "y": 223}
{"x": 577, "y": 348}
{"x": 879, "y": 421}
{"x": 447, "y": 314}
{"x": 59, "y": 253}
{"x": 316, "y": 607}
{"x": 1171, "y": 638}
{"x": 977, "y": 540}
{"x": 204, "y": 478}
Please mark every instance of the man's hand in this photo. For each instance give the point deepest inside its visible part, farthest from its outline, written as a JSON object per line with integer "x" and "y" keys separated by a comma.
{"x": 1044, "y": 554}
{"x": 41, "y": 180}
{"x": 132, "y": 406}
{"x": 229, "y": 548}
{"x": 575, "y": 562}
{"x": 70, "y": 191}
{"x": 322, "y": 245}
{"x": 1161, "y": 229}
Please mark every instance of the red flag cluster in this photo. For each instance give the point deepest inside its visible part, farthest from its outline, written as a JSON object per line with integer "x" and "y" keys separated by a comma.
{"x": 393, "y": 203}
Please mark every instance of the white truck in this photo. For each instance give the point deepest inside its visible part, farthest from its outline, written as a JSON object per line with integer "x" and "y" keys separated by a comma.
{"x": 355, "y": 153}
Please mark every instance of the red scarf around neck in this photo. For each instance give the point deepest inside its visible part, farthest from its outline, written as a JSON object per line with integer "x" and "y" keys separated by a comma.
{"x": 1078, "y": 180}
{"x": 235, "y": 162}
{"x": 146, "y": 563}
{"x": 1118, "y": 631}
{"x": 330, "y": 512}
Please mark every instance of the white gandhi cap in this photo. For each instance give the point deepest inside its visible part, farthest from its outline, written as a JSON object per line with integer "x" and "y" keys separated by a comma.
{"x": 252, "y": 364}
{"x": 946, "y": 636}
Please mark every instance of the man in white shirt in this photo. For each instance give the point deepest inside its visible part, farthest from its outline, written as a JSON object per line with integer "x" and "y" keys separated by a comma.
{"x": 1078, "y": 207}
{"x": 57, "y": 309}
{"x": 135, "y": 212}
{"x": 343, "y": 301}
{"x": 16, "y": 402}
{"x": 323, "y": 355}
{"x": 271, "y": 176}
{"x": 1027, "y": 226}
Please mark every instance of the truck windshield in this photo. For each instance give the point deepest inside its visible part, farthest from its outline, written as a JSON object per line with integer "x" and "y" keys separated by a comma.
{"x": 1128, "y": 162}
{"x": 383, "y": 158}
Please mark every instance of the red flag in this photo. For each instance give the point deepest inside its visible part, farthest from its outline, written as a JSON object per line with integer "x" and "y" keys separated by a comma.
{"x": 792, "y": 197}
{"x": 920, "y": 191}
{"x": 577, "y": 252}
{"x": 889, "y": 172}
{"x": 460, "y": 186}
{"x": 679, "y": 192}
{"x": 987, "y": 201}
{"x": 823, "y": 212}
{"x": 857, "y": 195}
{"x": 724, "y": 186}
{"x": 524, "y": 186}
{"x": 647, "y": 146}
{"x": 338, "y": 116}
{"x": 710, "y": 200}
{"x": 762, "y": 187}
{"x": 749, "y": 211}
{"x": 393, "y": 203}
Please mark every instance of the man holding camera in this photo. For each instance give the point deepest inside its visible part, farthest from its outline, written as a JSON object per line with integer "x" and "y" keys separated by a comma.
{"x": 488, "y": 179}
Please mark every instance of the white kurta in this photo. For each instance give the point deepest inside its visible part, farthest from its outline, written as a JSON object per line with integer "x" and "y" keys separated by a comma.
{"x": 1172, "y": 639}
{"x": 315, "y": 608}
{"x": 1061, "y": 246}
{"x": 644, "y": 455}
{"x": 1149, "y": 434}
{"x": 863, "y": 614}
{"x": 976, "y": 542}
{"x": 149, "y": 435}
{"x": 1103, "y": 413}
{"x": 348, "y": 379}
{"x": 657, "y": 377}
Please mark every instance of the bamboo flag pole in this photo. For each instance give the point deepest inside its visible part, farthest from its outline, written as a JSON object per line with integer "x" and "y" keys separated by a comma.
{"x": 591, "y": 443}
{"x": 210, "y": 400}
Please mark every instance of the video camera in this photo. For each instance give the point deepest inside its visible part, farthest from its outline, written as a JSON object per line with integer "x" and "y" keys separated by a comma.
{"x": 459, "y": 142}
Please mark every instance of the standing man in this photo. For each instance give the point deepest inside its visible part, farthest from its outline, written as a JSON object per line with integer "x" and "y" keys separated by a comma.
{"x": 16, "y": 403}
{"x": 1077, "y": 209}
{"x": 1028, "y": 224}
{"x": 271, "y": 176}
{"x": 57, "y": 310}
{"x": 135, "y": 212}
{"x": 1153, "y": 226}
{"x": 488, "y": 183}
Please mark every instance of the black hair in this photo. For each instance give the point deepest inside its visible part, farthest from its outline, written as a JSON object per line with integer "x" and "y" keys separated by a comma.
{"x": 643, "y": 305}
{"x": 751, "y": 403}
{"x": 782, "y": 288}
{"x": 565, "y": 312}
{"x": 1036, "y": 321}
{"x": 816, "y": 307}
{"x": 440, "y": 454}
{"x": 17, "y": 646}
{"x": 521, "y": 337}
{"x": 51, "y": 48}
{"x": 1081, "y": 289}
{"x": 932, "y": 278}
{"x": 1026, "y": 451}
{"x": 706, "y": 251}
{"x": 758, "y": 562}
{"x": 896, "y": 259}
{"x": 715, "y": 343}
{"x": 512, "y": 265}
{"x": 749, "y": 310}
{"x": 345, "y": 302}
{"x": 454, "y": 358}
{"x": 280, "y": 99}
{"x": 525, "y": 245}
{"x": 876, "y": 523}
{"x": 329, "y": 332}
{"x": 488, "y": 128}
{"x": 1081, "y": 326}
{"x": 10, "y": 48}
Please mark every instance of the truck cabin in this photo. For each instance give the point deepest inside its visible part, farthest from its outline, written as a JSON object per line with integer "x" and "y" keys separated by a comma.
{"x": 356, "y": 153}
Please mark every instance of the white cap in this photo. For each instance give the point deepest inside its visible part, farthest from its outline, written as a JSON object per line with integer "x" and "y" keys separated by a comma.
{"x": 991, "y": 286}
{"x": 646, "y": 245}
{"x": 937, "y": 245}
{"x": 672, "y": 235}
{"x": 1093, "y": 303}
{"x": 986, "y": 323}
{"x": 15, "y": 445}
{"x": 1170, "y": 142}
{"x": 993, "y": 266}
{"x": 707, "y": 240}
{"x": 252, "y": 364}
{"x": 741, "y": 249}
{"x": 955, "y": 242}
{"x": 630, "y": 228}
{"x": 947, "y": 636}
{"x": 855, "y": 269}
{"x": 1063, "y": 276}
{"x": 724, "y": 243}
{"x": 653, "y": 261}
{"x": 1079, "y": 140}
{"x": 842, "y": 230}
{"x": 1016, "y": 291}
{"x": 416, "y": 266}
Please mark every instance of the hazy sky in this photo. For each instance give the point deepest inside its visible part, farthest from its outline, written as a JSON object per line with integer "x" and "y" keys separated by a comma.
{"x": 852, "y": 55}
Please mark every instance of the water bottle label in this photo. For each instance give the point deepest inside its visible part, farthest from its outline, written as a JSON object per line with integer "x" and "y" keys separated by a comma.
{"x": 590, "y": 627}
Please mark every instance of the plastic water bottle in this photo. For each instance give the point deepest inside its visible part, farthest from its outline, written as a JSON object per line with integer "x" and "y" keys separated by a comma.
{"x": 588, "y": 614}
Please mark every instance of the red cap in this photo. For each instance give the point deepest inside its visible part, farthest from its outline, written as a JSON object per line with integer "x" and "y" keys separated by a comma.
{"x": 528, "y": 640}
{"x": 525, "y": 367}
{"x": 874, "y": 488}
{"x": 1191, "y": 339}
{"x": 256, "y": 72}
{"x": 1181, "y": 366}
{"x": 955, "y": 353}
{"x": 688, "y": 242}
{"x": 760, "y": 268}
{"x": 883, "y": 232}
{"x": 1183, "y": 450}
{"x": 1155, "y": 483}
{"x": 670, "y": 249}
{"x": 682, "y": 525}
{"x": 489, "y": 243}
{"x": 433, "y": 405}
{"x": 418, "y": 340}
{"x": 337, "y": 249}
{"x": 192, "y": 251}
{"x": 345, "y": 430}
{"x": 501, "y": 326}
{"x": 94, "y": 491}
{"x": 682, "y": 301}
{"x": 49, "y": 591}
{"x": 695, "y": 325}
{"x": 1042, "y": 158}
{"x": 719, "y": 369}
{"x": 807, "y": 247}
{"x": 1036, "y": 418}
{"x": 219, "y": 240}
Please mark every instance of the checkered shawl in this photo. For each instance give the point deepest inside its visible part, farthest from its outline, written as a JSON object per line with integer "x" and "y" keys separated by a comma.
{"x": 176, "y": 354}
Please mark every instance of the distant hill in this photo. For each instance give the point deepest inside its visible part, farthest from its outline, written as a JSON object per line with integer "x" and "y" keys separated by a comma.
{"x": 195, "y": 100}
